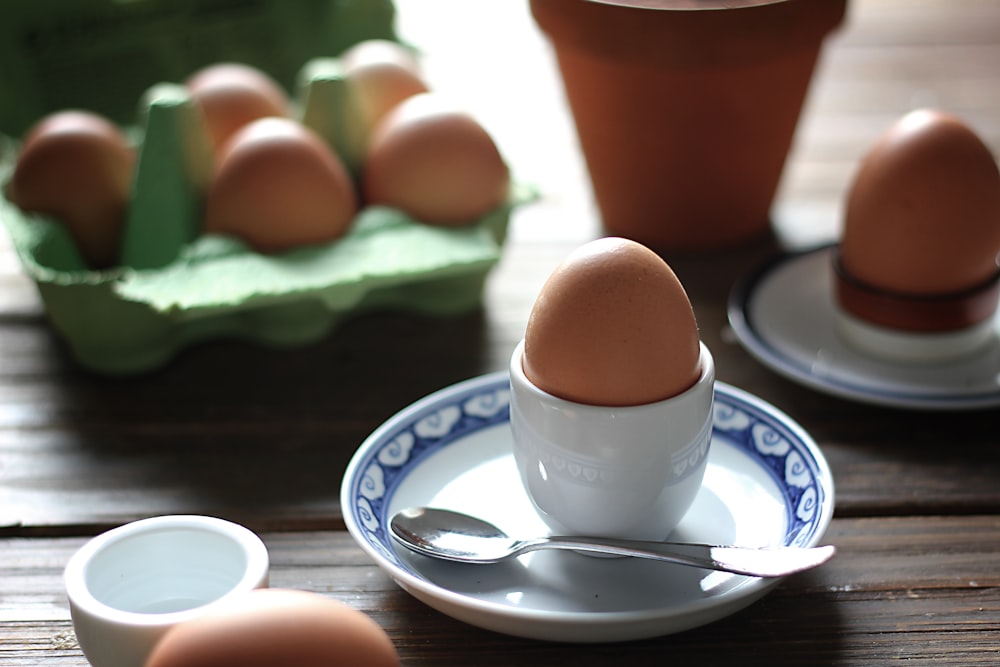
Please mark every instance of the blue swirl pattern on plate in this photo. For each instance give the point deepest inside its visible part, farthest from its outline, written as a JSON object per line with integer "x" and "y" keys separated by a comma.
{"x": 751, "y": 425}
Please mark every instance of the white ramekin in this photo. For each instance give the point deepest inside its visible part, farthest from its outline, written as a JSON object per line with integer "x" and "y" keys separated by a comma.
{"x": 129, "y": 585}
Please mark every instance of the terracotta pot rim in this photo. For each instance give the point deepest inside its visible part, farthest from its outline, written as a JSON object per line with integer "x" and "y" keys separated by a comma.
{"x": 688, "y": 5}
{"x": 739, "y": 31}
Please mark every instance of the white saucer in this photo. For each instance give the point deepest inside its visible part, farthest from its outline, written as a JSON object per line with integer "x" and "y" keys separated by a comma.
{"x": 784, "y": 316}
{"x": 767, "y": 483}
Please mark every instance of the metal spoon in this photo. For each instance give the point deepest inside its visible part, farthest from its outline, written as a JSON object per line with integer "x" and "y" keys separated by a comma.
{"x": 455, "y": 536}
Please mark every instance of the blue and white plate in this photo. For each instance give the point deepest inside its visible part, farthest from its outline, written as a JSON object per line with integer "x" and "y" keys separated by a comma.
{"x": 784, "y": 316}
{"x": 767, "y": 483}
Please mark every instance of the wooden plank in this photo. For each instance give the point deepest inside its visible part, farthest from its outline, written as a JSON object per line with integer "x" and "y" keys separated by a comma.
{"x": 263, "y": 436}
{"x": 82, "y": 451}
{"x": 925, "y": 590}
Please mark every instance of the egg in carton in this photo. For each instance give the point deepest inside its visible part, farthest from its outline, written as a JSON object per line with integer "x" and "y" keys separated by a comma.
{"x": 179, "y": 279}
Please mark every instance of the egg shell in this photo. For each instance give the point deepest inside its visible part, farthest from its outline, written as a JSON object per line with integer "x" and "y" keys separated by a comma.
{"x": 232, "y": 95}
{"x": 77, "y": 166}
{"x": 278, "y": 186}
{"x": 435, "y": 162}
{"x": 923, "y": 212}
{"x": 269, "y": 627}
{"x": 382, "y": 74}
{"x": 612, "y": 326}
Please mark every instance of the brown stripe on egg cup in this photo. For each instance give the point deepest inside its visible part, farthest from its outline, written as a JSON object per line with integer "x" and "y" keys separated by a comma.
{"x": 924, "y": 313}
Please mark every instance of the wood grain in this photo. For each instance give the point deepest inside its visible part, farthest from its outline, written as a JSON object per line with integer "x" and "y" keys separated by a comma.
{"x": 920, "y": 589}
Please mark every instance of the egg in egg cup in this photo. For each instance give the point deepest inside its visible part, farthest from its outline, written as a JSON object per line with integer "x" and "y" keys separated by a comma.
{"x": 611, "y": 395}
{"x": 612, "y": 471}
{"x": 916, "y": 278}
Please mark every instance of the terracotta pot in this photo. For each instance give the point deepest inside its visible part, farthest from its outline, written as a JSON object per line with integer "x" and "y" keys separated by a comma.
{"x": 686, "y": 109}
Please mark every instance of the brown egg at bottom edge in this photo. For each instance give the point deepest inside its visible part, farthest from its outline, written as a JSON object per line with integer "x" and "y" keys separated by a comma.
{"x": 269, "y": 627}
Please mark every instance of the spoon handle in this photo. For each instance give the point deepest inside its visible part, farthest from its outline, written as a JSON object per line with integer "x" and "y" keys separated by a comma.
{"x": 756, "y": 562}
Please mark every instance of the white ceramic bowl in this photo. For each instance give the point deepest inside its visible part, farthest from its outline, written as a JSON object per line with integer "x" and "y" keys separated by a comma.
{"x": 629, "y": 472}
{"x": 129, "y": 585}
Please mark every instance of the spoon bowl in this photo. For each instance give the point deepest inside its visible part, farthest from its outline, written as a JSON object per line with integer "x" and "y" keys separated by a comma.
{"x": 451, "y": 535}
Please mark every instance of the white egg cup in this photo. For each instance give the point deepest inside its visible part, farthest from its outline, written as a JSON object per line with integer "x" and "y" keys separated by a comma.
{"x": 914, "y": 347}
{"x": 913, "y": 329}
{"x": 129, "y": 585}
{"x": 629, "y": 472}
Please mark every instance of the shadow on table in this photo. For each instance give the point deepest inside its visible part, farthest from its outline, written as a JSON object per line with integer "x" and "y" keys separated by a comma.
{"x": 254, "y": 434}
{"x": 796, "y": 624}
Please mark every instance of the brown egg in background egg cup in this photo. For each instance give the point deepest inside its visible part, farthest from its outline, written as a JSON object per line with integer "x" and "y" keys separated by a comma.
{"x": 906, "y": 327}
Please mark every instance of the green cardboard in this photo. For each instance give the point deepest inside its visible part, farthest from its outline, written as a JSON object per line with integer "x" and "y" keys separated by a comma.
{"x": 102, "y": 55}
{"x": 172, "y": 174}
{"x": 177, "y": 286}
{"x": 328, "y": 109}
{"x": 125, "y": 320}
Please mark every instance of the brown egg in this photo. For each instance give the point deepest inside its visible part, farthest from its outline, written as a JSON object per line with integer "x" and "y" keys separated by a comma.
{"x": 278, "y": 186}
{"x": 382, "y": 74}
{"x": 77, "y": 167}
{"x": 612, "y": 326}
{"x": 435, "y": 162}
{"x": 269, "y": 627}
{"x": 231, "y": 95}
{"x": 923, "y": 212}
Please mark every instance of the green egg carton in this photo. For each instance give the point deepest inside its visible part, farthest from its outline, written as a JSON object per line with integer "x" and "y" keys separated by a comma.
{"x": 175, "y": 286}
{"x": 103, "y": 54}
{"x": 125, "y": 321}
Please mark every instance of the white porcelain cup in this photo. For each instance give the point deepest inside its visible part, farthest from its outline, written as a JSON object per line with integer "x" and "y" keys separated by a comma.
{"x": 129, "y": 585}
{"x": 628, "y": 472}
{"x": 916, "y": 347}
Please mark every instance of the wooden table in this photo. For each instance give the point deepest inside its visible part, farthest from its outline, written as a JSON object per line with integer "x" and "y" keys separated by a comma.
{"x": 261, "y": 436}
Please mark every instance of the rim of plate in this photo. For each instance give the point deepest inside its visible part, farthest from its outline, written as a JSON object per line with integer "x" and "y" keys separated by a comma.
{"x": 385, "y": 557}
{"x": 772, "y": 357}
